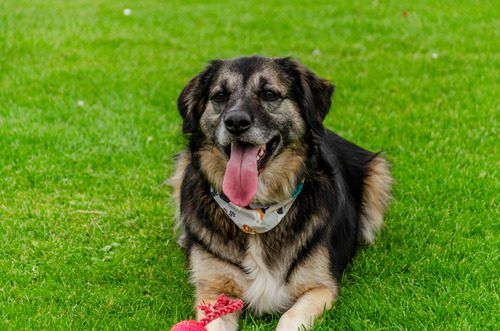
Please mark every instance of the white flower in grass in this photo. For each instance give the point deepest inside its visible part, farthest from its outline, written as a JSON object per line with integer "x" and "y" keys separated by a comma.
{"x": 80, "y": 103}
{"x": 316, "y": 52}
{"x": 434, "y": 55}
{"x": 110, "y": 247}
{"x": 127, "y": 12}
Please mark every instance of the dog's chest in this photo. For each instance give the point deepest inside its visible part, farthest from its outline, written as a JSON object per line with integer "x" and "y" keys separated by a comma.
{"x": 267, "y": 291}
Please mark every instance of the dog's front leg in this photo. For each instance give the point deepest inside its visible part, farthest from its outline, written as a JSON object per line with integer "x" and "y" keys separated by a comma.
{"x": 307, "y": 308}
{"x": 224, "y": 323}
{"x": 211, "y": 277}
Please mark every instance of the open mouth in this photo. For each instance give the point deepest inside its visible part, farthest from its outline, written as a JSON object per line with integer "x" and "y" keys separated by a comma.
{"x": 244, "y": 163}
{"x": 265, "y": 152}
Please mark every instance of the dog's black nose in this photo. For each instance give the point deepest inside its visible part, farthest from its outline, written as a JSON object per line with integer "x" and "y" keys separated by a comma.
{"x": 237, "y": 121}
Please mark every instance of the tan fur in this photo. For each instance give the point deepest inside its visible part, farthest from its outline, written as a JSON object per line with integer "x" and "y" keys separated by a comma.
{"x": 278, "y": 180}
{"x": 182, "y": 161}
{"x": 312, "y": 273}
{"x": 258, "y": 284}
{"x": 208, "y": 119}
{"x": 211, "y": 278}
{"x": 375, "y": 198}
{"x": 224, "y": 323}
{"x": 307, "y": 309}
{"x": 272, "y": 76}
{"x": 231, "y": 78}
{"x": 213, "y": 164}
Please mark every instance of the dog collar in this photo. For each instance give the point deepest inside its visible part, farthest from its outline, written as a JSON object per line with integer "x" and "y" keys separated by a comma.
{"x": 255, "y": 219}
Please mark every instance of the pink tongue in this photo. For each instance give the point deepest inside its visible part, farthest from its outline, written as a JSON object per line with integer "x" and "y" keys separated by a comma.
{"x": 241, "y": 177}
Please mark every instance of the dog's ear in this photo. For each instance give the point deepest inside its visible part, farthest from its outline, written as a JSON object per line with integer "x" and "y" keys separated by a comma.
{"x": 194, "y": 97}
{"x": 316, "y": 101}
{"x": 313, "y": 94}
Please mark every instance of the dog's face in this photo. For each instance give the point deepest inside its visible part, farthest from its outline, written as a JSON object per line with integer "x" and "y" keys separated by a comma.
{"x": 255, "y": 116}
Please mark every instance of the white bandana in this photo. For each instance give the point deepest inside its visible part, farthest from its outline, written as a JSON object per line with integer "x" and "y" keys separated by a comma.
{"x": 255, "y": 219}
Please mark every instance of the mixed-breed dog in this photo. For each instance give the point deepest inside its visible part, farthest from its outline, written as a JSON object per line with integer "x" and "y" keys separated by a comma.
{"x": 271, "y": 205}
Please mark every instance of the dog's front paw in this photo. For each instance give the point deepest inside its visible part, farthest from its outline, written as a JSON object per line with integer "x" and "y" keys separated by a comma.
{"x": 292, "y": 322}
{"x": 222, "y": 324}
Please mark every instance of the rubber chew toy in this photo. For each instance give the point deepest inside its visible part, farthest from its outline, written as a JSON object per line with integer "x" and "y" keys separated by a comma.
{"x": 221, "y": 307}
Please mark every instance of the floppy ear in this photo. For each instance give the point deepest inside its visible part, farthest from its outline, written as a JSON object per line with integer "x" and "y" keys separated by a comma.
{"x": 194, "y": 97}
{"x": 313, "y": 96}
{"x": 317, "y": 99}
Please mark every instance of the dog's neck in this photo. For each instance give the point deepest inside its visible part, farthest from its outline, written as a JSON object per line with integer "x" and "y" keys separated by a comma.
{"x": 256, "y": 218}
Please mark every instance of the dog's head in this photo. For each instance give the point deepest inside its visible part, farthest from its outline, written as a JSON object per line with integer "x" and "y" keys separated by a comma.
{"x": 255, "y": 117}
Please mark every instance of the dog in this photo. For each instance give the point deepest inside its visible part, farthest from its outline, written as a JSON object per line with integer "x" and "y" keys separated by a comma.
{"x": 272, "y": 206}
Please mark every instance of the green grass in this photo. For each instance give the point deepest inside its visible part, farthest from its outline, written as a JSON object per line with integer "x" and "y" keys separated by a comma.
{"x": 86, "y": 222}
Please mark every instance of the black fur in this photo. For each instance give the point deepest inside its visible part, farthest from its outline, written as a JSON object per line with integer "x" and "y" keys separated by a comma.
{"x": 312, "y": 94}
{"x": 194, "y": 97}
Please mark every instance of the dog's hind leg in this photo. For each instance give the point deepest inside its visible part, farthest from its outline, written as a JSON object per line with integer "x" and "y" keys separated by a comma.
{"x": 376, "y": 195}
{"x": 307, "y": 309}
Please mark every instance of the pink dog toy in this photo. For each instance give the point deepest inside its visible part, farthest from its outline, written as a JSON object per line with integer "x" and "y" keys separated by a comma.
{"x": 221, "y": 307}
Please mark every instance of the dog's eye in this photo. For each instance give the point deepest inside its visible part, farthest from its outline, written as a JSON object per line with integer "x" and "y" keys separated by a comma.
{"x": 220, "y": 97}
{"x": 268, "y": 95}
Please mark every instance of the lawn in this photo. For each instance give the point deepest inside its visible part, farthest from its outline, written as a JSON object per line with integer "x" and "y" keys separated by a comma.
{"x": 89, "y": 127}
